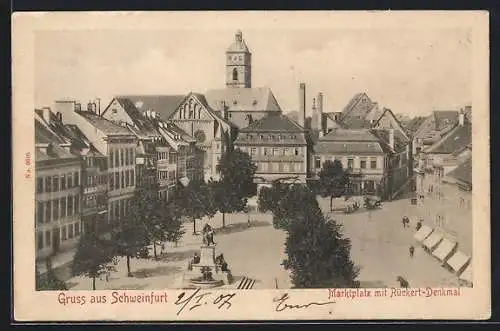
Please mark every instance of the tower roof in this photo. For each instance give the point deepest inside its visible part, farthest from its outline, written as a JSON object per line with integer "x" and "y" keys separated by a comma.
{"x": 239, "y": 44}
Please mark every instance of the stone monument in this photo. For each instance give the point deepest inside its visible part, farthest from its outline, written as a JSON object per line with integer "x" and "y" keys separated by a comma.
{"x": 206, "y": 270}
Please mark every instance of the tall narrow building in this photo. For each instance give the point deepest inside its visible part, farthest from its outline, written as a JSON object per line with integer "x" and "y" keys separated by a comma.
{"x": 238, "y": 63}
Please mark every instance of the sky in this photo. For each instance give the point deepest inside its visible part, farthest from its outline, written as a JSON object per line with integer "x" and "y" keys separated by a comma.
{"x": 409, "y": 71}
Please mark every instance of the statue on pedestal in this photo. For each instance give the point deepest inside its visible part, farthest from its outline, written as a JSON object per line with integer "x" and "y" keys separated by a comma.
{"x": 208, "y": 235}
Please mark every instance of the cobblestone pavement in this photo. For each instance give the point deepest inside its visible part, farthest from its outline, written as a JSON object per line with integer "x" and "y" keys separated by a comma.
{"x": 380, "y": 246}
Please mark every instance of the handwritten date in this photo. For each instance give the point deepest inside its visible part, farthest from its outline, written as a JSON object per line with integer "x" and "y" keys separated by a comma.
{"x": 197, "y": 299}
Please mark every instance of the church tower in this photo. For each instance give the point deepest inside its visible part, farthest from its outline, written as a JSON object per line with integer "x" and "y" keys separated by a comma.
{"x": 238, "y": 63}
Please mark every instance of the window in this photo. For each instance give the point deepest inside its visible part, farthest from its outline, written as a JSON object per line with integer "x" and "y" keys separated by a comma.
{"x": 133, "y": 178}
{"x": 39, "y": 240}
{"x": 373, "y": 163}
{"x": 117, "y": 158}
{"x": 126, "y": 157}
{"x": 276, "y": 151}
{"x": 55, "y": 183}
{"x": 122, "y": 179}
{"x": 39, "y": 212}
{"x": 362, "y": 164}
{"x": 39, "y": 185}
{"x": 70, "y": 180}
{"x": 122, "y": 156}
{"x": 77, "y": 180}
{"x": 235, "y": 74}
{"x": 70, "y": 205}
{"x": 111, "y": 157}
{"x": 117, "y": 180}
{"x": 350, "y": 163}
{"x": 64, "y": 235}
{"x": 48, "y": 184}
{"x": 63, "y": 207}
{"x": 253, "y": 151}
{"x": 296, "y": 151}
{"x": 63, "y": 181}
{"x": 280, "y": 167}
{"x": 286, "y": 151}
{"x": 127, "y": 179}
{"x": 70, "y": 231}
{"x": 55, "y": 210}
{"x": 77, "y": 204}
{"x": 266, "y": 151}
{"x": 77, "y": 229}
{"x": 47, "y": 238}
{"x": 317, "y": 162}
{"x": 112, "y": 181}
{"x": 48, "y": 211}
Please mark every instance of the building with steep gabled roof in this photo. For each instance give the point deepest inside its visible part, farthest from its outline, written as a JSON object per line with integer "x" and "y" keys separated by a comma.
{"x": 360, "y": 112}
{"x": 118, "y": 144}
{"x": 58, "y": 198}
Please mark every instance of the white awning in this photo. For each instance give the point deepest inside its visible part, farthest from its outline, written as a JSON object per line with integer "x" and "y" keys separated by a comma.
{"x": 184, "y": 181}
{"x": 458, "y": 261}
{"x": 444, "y": 250}
{"x": 433, "y": 240}
{"x": 466, "y": 276}
{"x": 422, "y": 233}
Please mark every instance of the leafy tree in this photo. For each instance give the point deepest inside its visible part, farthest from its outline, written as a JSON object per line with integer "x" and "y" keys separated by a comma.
{"x": 226, "y": 199}
{"x": 318, "y": 254}
{"x": 333, "y": 180}
{"x": 132, "y": 236}
{"x": 196, "y": 201}
{"x": 92, "y": 257}
{"x": 48, "y": 281}
{"x": 173, "y": 226}
{"x": 236, "y": 182}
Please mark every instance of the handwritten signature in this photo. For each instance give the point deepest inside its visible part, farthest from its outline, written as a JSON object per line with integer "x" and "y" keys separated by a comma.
{"x": 197, "y": 299}
{"x": 282, "y": 305}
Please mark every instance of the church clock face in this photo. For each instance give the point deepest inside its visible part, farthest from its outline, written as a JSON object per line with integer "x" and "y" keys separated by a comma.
{"x": 199, "y": 135}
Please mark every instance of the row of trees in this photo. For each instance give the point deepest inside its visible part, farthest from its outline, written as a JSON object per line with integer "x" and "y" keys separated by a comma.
{"x": 318, "y": 255}
{"x": 151, "y": 222}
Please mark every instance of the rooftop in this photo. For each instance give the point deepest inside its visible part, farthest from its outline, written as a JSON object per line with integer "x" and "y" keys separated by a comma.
{"x": 164, "y": 105}
{"x": 104, "y": 125}
{"x": 460, "y": 136}
{"x": 243, "y": 99}
{"x": 463, "y": 172}
{"x": 274, "y": 123}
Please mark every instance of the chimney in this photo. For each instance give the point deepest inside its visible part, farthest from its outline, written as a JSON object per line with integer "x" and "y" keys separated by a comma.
{"x": 391, "y": 138}
{"x": 98, "y": 106}
{"x": 461, "y": 118}
{"x": 46, "y": 114}
{"x": 320, "y": 113}
{"x": 302, "y": 104}
{"x": 224, "y": 111}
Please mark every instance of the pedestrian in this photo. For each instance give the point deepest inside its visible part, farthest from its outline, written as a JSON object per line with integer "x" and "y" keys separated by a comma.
{"x": 419, "y": 225}
{"x": 412, "y": 251}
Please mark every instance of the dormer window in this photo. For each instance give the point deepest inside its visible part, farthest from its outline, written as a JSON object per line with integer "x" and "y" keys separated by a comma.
{"x": 254, "y": 102}
{"x": 235, "y": 102}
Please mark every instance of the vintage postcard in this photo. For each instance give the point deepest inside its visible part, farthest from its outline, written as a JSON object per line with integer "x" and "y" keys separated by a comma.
{"x": 200, "y": 166}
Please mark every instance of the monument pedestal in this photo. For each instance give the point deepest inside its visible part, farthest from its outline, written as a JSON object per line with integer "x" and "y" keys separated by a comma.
{"x": 207, "y": 273}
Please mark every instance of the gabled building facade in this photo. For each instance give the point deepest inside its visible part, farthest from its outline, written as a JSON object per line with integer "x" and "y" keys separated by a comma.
{"x": 58, "y": 190}
{"x": 278, "y": 147}
{"x": 118, "y": 144}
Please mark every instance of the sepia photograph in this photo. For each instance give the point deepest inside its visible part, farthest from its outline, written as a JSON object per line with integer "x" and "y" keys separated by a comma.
{"x": 253, "y": 157}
